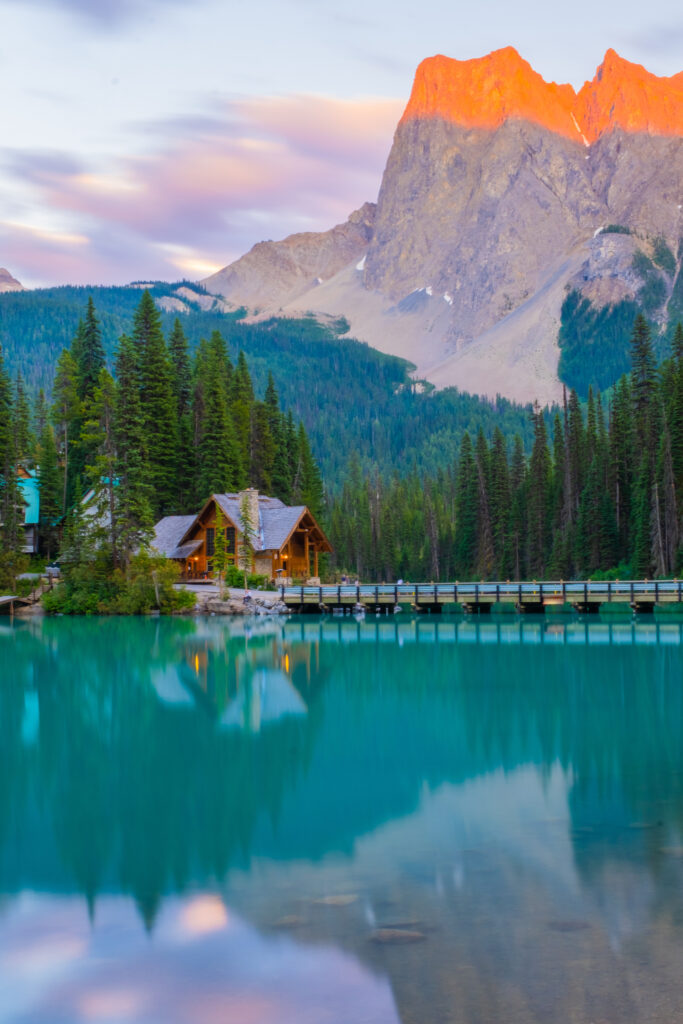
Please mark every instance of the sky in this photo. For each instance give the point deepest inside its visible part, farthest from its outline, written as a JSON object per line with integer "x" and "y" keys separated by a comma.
{"x": 161, "y": 139}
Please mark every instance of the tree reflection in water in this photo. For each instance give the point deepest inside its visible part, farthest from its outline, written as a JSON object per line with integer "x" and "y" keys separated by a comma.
{"x": 153, "y": 757}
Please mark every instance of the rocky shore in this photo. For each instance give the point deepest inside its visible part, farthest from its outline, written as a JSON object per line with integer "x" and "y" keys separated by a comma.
{"x": 239, "y": 603}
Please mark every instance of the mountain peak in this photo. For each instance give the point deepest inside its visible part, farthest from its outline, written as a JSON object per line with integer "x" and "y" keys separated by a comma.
{"x": 486, "y": 91}
{"x": 628, "y": 96}
{"x": 9, "y": 283}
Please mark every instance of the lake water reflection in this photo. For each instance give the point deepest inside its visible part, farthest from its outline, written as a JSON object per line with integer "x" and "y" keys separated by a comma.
{"x": 319, "y": 821}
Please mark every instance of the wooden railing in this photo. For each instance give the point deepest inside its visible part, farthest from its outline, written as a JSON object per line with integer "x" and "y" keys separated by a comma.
{"x": 575, "y": 592}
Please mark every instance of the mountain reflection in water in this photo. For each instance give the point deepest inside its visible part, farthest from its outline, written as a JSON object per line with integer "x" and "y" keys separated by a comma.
{"x": 324, "y": 820}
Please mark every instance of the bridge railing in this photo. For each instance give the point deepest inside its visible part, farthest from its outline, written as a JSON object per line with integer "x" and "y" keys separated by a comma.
{"x": 574, "y": 591}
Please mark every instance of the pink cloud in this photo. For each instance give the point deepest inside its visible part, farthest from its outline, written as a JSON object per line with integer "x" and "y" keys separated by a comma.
{"x": 216, "y": 185}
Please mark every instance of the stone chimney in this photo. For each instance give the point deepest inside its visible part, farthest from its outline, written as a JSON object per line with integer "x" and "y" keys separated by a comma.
{"x": 251, "y": 495}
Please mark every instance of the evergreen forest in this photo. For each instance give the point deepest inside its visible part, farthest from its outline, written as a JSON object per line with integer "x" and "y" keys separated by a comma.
{"x": 599, "y": 496}
{"x": 349, "y": 396}
{"x": 153, "y": 438}
{"x": 480, "y": 490}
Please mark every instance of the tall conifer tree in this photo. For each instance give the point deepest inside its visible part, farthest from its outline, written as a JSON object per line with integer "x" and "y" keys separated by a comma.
{"x": 90, "y": 351}
{"x": 134, "y": 489}
{"x": 539, "y": 499}
{"x": 158, "y": 404}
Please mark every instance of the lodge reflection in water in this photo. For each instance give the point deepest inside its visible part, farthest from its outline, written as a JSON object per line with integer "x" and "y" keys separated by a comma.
{"x": 204, "y": 748}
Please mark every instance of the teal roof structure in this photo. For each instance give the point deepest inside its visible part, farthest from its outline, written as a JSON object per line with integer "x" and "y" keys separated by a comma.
{"x": 30, "y": 492}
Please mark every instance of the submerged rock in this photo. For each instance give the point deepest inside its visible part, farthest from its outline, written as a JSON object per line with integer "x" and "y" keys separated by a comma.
{"x": 396, "y": 936}
{"x": 340, "y": 900}
{"x": 568, "y": 926}
{"x": 288, "y": 921}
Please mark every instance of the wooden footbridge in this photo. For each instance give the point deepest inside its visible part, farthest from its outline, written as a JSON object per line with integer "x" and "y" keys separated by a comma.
{"x": 8, "y": 602}
{"x": 582, "y": 595}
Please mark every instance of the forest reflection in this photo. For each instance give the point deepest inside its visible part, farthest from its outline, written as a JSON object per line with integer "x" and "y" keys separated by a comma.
{"x": 148, "y": 757}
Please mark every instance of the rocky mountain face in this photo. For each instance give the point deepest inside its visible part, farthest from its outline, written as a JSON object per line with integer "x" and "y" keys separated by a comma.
{"x": 275, "y": 273}
{"x": 9, "y": 283}
{"x": 501, "y": 192}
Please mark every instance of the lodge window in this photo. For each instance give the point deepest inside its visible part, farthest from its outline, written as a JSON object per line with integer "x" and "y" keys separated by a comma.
{"x": 210, "y": 541}
{"x": 230, "y": 538}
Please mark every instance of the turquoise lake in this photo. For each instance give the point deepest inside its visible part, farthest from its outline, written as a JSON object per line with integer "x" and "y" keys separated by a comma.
{"x": 324, "y": 821}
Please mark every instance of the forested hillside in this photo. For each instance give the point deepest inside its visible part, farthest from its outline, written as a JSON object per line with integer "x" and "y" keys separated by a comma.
{"x": 350, "y": 397}
{"x": 603, "y": 492}
{"x": 156, "y": 437}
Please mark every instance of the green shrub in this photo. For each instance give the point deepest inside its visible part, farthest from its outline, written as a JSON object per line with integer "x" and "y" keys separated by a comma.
{"x": 653, "y": 291}
{"x": 619, "y": 572}
{"x": 12, "y": 563}
{"x": 234, "y": 577}
{"x": 595, "y": 345}
{"x": 616, "y": 229}
{"x": 96, "y": 588}
{"x": 24, "y": 587}
{"x": 663, "y": 256}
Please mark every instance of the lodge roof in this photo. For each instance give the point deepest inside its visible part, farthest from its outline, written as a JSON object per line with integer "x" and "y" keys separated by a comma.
{"x": 277, "y": 521}
{"x": 169, "y": 532}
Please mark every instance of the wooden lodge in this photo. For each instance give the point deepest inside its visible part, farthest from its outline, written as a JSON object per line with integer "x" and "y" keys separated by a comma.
{"x": 287, "y": 540}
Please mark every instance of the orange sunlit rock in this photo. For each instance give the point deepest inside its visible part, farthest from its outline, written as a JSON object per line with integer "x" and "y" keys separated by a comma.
{"x": 626, "y": 96}
{"x": 487, "y": 91}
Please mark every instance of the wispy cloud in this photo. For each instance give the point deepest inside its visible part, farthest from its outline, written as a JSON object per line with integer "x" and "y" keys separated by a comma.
{"x": 215, "y": 184}
{"x": 658, "y": 39}
{"x": 103, "y": 13}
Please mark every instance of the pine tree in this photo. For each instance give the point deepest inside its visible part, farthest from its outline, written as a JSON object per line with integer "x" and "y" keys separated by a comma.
{"x": 576, "y": 458}
{"x": 241, "y": 399}
{"x": 220, "y": 465}
{"x": 518, "y": 510}
{"x": 539, "y": 499}
{"x": 98, "y": 435}
{"x": 41, "y": 414}
{"x": 308, "y": 486}
{"x": 500, "y": 503}
{"x": 645, "y": 416}
{"x": 467, "y": 499}
{"x": 485, "y": 549}
{"x": 281, "y": 477}
{"x": 11, "y": 503}
{"x": 263, "y": 449}
{"x": 181, "y": 379}
{"x": 133, "y": 490}
{"x": 24, "y": 441}
{"x": 158, "y": 404}
{"x": 51, "y": 493}
{"x": 220, "y": 552}
{"x": 77, "y": 345}
{"x": 66, "y": 416}
{"x": 643, "y": 375}
{"x": 665, "y": 515}
{"x": 181, "y": 371}
{"x": 77, "y": 544}
{"x": 560, "y": 562}
{"x": 621, "y": 459}
{"x": 291, "y": 451}
{"x": 90, "y": 352}
{"x": 245, "y": 544}
{"x": 676, "y": 413}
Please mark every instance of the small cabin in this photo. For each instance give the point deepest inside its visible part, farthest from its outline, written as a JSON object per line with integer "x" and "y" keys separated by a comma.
{"x": 287, "y": 539}
{"x": 29, "y": 489}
